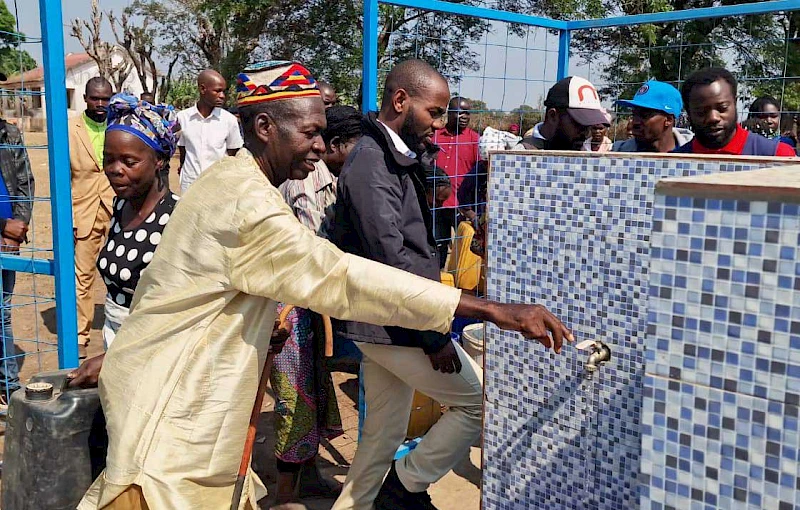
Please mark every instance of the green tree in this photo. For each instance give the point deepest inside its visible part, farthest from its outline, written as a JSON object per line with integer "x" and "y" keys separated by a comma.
{"x": 761, "y": 50}
{"x": 668, "y": 52}
{"x": 326, "y": 36}
{"x": 199, "y": 34}
{"x": 524, "y": 115}
{"x": 774, "y": 51}
{"x": 482, "y": 116}
{"x": 13, "y": 60}
{"x": 183, "y": 92}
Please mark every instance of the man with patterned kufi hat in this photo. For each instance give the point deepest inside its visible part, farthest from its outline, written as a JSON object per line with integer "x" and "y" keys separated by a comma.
{"x": 178, "y": 384}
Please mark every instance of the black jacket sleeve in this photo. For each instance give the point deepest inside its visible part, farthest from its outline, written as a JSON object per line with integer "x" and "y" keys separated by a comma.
{"x": 22, "y": 205}
{"x": 375, "y": 205}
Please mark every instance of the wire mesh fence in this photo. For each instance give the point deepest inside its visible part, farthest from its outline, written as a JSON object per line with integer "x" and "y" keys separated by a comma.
{"x": 504, "y": 70}
{"x": 28, "y": 309}
{"x": 762, "y": 51}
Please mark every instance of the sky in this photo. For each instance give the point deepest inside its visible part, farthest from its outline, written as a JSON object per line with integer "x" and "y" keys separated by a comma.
{"x": 28, "y": 18}
{"x": 514, "y": 71}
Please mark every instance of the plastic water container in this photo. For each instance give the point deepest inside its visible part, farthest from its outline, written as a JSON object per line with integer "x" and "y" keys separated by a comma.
{"x": 55, "y": 444}
{"x": 425, "y": 412}
{"x": 473, "y": 342}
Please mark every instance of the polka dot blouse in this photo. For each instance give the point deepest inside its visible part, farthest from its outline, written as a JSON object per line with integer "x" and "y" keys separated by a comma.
{"x": 127, "y": 252}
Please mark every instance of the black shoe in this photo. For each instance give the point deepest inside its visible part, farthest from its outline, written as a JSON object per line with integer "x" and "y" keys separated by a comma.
{"x": 5, "y": 397}
{"x": 394, "y": 496}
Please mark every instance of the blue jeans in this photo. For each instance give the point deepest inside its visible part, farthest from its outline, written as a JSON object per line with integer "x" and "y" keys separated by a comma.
{"x": 9, "y": 369}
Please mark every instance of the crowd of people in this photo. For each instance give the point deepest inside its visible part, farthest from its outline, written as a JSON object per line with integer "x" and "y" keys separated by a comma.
{"x": 194, "y": 284}
{"x": 297, "y": 201}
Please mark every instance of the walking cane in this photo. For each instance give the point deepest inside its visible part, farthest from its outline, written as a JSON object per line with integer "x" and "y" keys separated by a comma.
{"x": 254, "y": 415}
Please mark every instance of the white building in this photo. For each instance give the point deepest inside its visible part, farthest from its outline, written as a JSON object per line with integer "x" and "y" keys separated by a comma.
{"x": 24, "y": 95}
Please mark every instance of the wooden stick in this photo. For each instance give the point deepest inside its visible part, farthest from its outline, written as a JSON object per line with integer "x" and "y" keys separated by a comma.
{"x": 254, "y": 415}
{"x": 287, "y": 309}
{"x": 326, "y": 322}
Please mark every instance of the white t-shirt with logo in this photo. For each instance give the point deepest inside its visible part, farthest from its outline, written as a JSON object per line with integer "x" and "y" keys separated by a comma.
{"x": 206, "y": 140}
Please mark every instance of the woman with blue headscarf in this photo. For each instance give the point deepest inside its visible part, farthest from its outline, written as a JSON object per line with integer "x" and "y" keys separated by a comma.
{"x": 138, "y": 146}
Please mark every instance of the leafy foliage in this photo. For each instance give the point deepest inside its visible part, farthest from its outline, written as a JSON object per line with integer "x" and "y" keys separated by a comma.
{"x": 183, "y": 92}
{"x": 13, "y": 60}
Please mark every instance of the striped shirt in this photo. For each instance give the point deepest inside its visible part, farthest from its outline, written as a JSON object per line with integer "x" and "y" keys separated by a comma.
{"x": 312, "y": 199}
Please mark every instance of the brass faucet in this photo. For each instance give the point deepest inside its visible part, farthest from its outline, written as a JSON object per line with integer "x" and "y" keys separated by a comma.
{"x": 601, "y": 353}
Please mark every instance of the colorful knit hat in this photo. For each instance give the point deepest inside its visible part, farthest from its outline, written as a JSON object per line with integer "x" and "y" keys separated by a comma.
{"x": 274, "y": 80}
{"x": 152, "y": 124}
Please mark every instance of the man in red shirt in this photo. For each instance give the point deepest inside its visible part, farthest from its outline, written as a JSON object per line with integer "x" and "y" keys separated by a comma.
{"x": 710, "y": 99}
{"x": 458, "y": 145}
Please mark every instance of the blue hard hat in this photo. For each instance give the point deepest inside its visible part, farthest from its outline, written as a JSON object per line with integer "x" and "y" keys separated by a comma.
{"x": 656, "y": 95}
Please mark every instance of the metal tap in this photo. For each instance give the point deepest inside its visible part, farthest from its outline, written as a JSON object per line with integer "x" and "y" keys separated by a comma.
{"x": 600, "y": 354}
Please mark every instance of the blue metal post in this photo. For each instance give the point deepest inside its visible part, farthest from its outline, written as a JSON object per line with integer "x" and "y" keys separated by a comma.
{"x": 563, "y": 54}
{"x": 60, "y": 194}
{"x": 369, "y": 79}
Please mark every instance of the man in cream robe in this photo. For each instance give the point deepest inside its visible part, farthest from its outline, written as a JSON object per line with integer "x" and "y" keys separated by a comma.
{"x": 179, "y": 382}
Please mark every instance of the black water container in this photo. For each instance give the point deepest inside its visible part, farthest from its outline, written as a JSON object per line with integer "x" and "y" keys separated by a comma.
{"x": 55, "y": 444}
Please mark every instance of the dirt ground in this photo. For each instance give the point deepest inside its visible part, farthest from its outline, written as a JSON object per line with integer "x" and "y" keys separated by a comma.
{"x": 35, "y": 333}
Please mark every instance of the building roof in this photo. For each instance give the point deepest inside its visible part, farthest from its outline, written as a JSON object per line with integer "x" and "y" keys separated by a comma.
{"x": 71, "y": 60}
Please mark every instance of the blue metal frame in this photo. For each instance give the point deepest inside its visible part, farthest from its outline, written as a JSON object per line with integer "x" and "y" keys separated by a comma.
{"x": 63, "y": 264}
{"x": 26, "y": 264}
{"x": 369, "y": 77}
{"x": 370, "y": 70}
{"x": 564, "y": 38}
{"x": 688, "y": 14}
{"x": 479, "y": 12}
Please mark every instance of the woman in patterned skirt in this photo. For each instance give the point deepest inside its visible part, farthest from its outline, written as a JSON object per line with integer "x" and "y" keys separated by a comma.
{"x": 305, "y": 404}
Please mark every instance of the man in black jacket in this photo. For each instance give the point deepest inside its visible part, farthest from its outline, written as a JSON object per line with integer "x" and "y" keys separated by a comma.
{"x": 382, "y": 214}
{"x": 16, "y": 202}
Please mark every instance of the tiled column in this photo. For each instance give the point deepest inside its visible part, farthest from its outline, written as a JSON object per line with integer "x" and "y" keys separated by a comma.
{"x": 572, "y": 231}
{"x": 722, "y": 382}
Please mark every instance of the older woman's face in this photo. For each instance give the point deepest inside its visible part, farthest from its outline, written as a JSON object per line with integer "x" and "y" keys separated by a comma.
{"x": 129, "y": 164}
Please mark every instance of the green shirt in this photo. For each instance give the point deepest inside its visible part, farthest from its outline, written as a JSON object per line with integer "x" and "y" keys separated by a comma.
{"x": 97, "y": 135}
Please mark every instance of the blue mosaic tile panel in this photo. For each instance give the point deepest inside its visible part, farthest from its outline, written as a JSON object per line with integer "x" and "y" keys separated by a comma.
{"x": 707, "y": 448}
{"x": 518, "y": 447}
{"x": 721, "y": 394}
{"x": 573, "y": 233}
{"x": 616, "y": 467}
{"x": 724, "y": 307}
{"x": 572, "y": 395}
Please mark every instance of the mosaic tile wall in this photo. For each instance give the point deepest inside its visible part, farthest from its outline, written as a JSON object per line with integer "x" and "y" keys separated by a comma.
{"x": 571, "y": 233}
{"x": 722, "y": 383}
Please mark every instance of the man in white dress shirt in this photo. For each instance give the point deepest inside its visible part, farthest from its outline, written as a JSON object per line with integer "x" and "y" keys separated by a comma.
{"x": 208, "y": 132}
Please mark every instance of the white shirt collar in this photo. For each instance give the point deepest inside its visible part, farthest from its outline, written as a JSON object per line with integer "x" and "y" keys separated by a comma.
{"x": 399, "y": 144}
{"x": 214, "y": 113}
{"x": 536, "y": 133}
